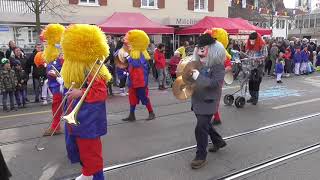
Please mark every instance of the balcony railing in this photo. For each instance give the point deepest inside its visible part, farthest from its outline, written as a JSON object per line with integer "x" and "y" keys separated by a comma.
{"x": 14, "y": 6}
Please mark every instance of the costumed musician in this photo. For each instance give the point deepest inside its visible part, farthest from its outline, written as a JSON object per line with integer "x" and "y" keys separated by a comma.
{"x": 254, "y": 48}
{"x": 206, "y": 96}
{"x": 82, "y": 46}
{"x": 54, "y": 60}
{"x": 136, "y": 43}
{"x": 222, "y": 36}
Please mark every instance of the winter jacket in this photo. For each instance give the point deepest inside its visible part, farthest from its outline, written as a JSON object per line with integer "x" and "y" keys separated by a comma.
{"x": 297, "y": 57}
{"x": 287, "y": 56}
{"x": 22, "y": 79}
{"x": 35, "y": 70}
{"x": 8, "y": 80}
{"x": 279, "y": 68}
{"x": 304, "y": 56}
{"x": 138, "y": 72}
{"x": 159, "y": 59}
{"x": 174, "y": 61}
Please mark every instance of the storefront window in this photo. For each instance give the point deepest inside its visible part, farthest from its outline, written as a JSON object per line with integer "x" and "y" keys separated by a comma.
{"x": 149, "y": 3}
{"x": 201, "y": 5}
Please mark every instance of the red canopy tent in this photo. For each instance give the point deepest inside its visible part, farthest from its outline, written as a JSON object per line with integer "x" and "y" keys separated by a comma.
{"x": 236, "y": 26}
{"x": 121, "y": 23}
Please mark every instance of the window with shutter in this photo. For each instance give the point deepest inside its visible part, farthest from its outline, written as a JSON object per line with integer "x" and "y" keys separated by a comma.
{"x": 150, "y": 4}
{"x": 201, "y": 5}
{"x": 89, "y": 2}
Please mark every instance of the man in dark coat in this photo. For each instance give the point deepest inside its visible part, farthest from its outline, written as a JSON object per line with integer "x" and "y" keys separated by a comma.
{"x": 206, "y": 96}
{"x": 35, "y": 71}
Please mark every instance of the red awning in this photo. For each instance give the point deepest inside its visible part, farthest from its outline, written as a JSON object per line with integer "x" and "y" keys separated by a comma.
{"x": 231, "y": 25}
{"x": 121, "y": 23}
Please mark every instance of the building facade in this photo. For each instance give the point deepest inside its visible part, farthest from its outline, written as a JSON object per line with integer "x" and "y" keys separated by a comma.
{"x": 249, "y": 9}
{"x": 307, "y": 26}
{"x": 17, "y": 21}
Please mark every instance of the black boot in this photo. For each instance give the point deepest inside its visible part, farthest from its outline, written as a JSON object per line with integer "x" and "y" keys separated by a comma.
{"x": 131, "y": 117}
{"x": 151, "y": 116}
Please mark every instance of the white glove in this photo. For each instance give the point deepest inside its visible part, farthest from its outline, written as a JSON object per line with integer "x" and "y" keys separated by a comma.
{"x": 195, "y": 74}
{"x": 60, "y": 80}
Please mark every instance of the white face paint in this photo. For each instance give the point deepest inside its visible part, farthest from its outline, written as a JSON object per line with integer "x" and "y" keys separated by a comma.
{"x": 252, "y": 42}
{"x": 203, "y": 53}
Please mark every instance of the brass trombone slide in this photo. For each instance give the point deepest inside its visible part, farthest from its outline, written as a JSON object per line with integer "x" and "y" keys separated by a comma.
{"x": 56, "y": 71}
{"x": 64, "y": 99}
{"x": 54, "y": 115}
{"x": 71, "y": 117}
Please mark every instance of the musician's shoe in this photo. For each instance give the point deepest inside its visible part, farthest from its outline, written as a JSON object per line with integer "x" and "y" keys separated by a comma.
{"x": 216, "y": 122}
{"x": 49, "y": 131}
{"x": 250, "y": 100}
{"x": 83, "y": 177}
{"x": 198, "y": 163}
{"x": 151, "y": 116}
{"x": 216, "y": 147}
{"x": 131, "y": 117}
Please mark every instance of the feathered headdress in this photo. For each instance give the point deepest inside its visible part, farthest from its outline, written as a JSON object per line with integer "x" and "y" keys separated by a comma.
{"x": 83, "y": 45}
{"x": 220, "y": 35}
{"x": 138, "y": 41}
{"x": 52, "y": 35}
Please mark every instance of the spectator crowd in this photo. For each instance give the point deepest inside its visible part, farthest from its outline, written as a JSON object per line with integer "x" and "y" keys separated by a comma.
{"x": 285, "y": 58}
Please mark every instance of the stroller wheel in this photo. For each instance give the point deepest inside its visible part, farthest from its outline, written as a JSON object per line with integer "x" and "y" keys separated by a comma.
{"x": 240, "y": 102}
{"x": 228, "y": 99}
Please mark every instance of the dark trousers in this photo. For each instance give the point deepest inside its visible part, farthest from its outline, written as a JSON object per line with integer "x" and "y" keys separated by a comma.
{"x": 36, "y": 88}
{"x": 5, "y": 97}
{"x": 202, "y": 130}
{"x": 288, "y": 66}
{"x": 122, "y": 83}
{"x": 267, "y": 67}
{"x": 20, "y": 96}
{"x": 254, "y": 96}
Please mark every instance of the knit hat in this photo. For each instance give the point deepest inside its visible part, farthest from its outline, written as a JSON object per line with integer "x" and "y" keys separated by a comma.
{"x": 4, "y": 61}
{"x": 204, "y": 40}
{"x": 16, "y": 62}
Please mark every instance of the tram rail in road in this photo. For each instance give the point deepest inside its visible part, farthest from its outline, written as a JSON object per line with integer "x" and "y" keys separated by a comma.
{"x": 148, "y": 159}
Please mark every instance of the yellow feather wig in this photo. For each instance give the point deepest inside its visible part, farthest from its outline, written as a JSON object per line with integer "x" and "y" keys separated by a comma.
{"x": 82, "y": 45}
{"x": 138, "y": 41}
{"x": 52, "y": 34}
{"x": 222, "y": 36}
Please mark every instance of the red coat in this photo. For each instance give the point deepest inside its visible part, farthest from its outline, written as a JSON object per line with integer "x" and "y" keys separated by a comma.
{"x": 174, "y": 61}
{"x": 159, "y": 59}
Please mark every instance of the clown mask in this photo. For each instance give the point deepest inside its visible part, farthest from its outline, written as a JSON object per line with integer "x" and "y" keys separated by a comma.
{"x": 203, "y": 53}
{"x": 252, "y": 41}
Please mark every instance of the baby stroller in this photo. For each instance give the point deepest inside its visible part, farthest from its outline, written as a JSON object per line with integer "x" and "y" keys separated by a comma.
{"x": 242, "y": 70}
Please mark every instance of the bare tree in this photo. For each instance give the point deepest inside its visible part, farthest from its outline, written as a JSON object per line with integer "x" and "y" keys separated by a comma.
{"x": 53, "y": 7}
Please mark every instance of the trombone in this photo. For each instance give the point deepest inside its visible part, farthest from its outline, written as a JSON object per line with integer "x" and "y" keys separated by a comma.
{"x": 71, "y": 117}
{"x": 60, "y": 106}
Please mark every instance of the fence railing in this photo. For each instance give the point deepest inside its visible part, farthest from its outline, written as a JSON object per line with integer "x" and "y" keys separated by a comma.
{"x": 14, "y": 6}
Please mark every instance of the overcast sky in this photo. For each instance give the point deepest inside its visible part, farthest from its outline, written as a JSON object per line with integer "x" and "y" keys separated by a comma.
{"x": 289, "y": 3}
